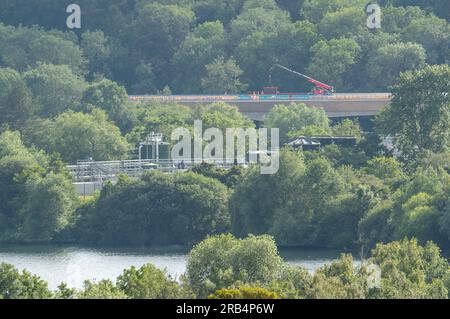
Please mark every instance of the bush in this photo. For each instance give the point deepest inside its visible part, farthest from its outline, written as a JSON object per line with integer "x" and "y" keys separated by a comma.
{"x": 148, "y": 282}
{"x": 159, "y": 209}
{"x": 222, "y": 261}
{"x": 244, "y": 292}
{"x": 105, "y": 289}
{"x": 21, "y": 285}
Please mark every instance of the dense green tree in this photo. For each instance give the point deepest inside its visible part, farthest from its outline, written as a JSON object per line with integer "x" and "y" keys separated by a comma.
{"x": 411, "y": 271}
{"x": 415, "y": 209}
{"x": 315, "y": 10}
{"x": 385, "y": 168}
{"x": 228, "y": 177}
{"x": 417, "y": 118}
{"x": 385, "y": 66}
{"x": 204, "y": 44}
{"x": 16, "y": 284}
{"x": 160, "y": 118}
{"x": 295, "y": 117}
{"x": 24, "y": 47}
{"x": 37, "y": 201}
{"x": 347, "y": 22}
{"x": 50, "y": 203}
{"x": 104, "y": 289}
{"x": 222, "y": 116}
{"x": 55, "y": 88}
{"x": 222, "y": 77}
{"x": 348, "y": 127}
{"x": 221, "y": 261}
{"x": 112, "y": 98}
{"x": 244, "y": 292}
{"x": 15, "y": 99}
{"x": 145, "y": 79}
{"x": 257, "y": 53}
{"x": 331, "y": 60}
{"x": 148, "y": 282}
{"x": 439, "y": 7}
{"x": 339, "y": 280}
{"x": 160, "y": 209}
{"x": 433, "y": 33}
{"x": 210, "y": 10}
{"x": 97, "y": 49}
{"x": 78, "y": 136}
{"x": 251, "y": 209}
{"x": 159, "y": 29}
{"x": 257, "y": 19}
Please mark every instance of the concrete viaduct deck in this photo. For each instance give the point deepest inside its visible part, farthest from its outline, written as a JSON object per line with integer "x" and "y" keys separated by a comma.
{"x": 257, "y": 107}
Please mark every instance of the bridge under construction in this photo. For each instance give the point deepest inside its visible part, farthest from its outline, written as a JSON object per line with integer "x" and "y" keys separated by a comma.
{"x": 257, "y": 106}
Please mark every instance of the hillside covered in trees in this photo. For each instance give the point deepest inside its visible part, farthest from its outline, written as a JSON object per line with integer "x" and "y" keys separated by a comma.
{"x": 210, "y": 46}
{"x": 64, "y": 98}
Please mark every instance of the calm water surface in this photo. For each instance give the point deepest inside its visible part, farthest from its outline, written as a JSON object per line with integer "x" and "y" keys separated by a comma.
{"x": 73, "y": 265}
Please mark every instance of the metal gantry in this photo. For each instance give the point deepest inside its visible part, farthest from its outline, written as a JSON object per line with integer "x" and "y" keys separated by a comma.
{"x": 92, "y": 171}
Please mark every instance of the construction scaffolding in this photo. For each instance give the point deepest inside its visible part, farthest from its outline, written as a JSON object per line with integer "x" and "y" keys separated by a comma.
{"x": 92, "y": 171}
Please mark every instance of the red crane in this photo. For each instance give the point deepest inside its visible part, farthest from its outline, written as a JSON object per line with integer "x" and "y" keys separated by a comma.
{"x": 319, "y": 87}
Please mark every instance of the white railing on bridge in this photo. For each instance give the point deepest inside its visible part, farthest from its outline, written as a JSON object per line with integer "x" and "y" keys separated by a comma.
{"x": 90, "y": 171}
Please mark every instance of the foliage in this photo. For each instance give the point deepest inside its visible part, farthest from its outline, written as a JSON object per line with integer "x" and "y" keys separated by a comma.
{"x": 244, "y": 292}
{"x": 311, "y": 204}
{"x": 411, "y": 271}
{"x": 77, "y": 136}
{"x": 37, "y": 198}
{"x": 22, "y": 48}
{"x": 148, "y": 282}
{"x": 222, "y": 116}
{"x": 221, "y": 261}
{"x": 416, "y": 209}
{"x": 222, "y": 77}
{"x": 55, "y": 88}
{"x": 219, "y": 268}
{"x": 112, "y": 98}
{"x": 159, "y": 209}
{"x": 228, "y": 177}
{"x": 417, "y": 120}
{"x": 15, "y": 99}
{"x": 16, "y": 284}
{"x": 103, "y": 289}
{"x": 294, "y": 117}
{"x": 331, "y": 60}
{"x": 146, "y": 46}
{"x": 339, "y": 280}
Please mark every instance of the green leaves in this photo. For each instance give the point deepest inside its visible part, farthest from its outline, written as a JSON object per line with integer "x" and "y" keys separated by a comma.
{"x": 160, "y": 209}
{"x": 78, "y": 136}
{"x": 37, "y": 202}
{"x": 418, "y": 116}
{"x": 149, "y": 282}
{"x": 296, "y": 117}
{"x": 15, "y": 99}
{"x": 223, "y": 77}
{"x": 331, "y": 60}
{"x": 55, "y": 88}
{"x": 21, "y": 285}
{"x": 221, "y": 261}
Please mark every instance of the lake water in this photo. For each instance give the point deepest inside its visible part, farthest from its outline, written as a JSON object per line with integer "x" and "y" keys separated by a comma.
{"x": 73, "y": 265}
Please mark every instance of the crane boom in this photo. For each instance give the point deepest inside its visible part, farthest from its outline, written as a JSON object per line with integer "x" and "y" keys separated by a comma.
{"x": 321, "y": 88}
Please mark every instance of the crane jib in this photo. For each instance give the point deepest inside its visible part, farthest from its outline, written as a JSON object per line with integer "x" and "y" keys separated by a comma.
{"x": 320, "y": 86}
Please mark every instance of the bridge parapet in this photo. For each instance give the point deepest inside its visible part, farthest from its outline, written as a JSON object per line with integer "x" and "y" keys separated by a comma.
{"x": 256, "y": 107}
